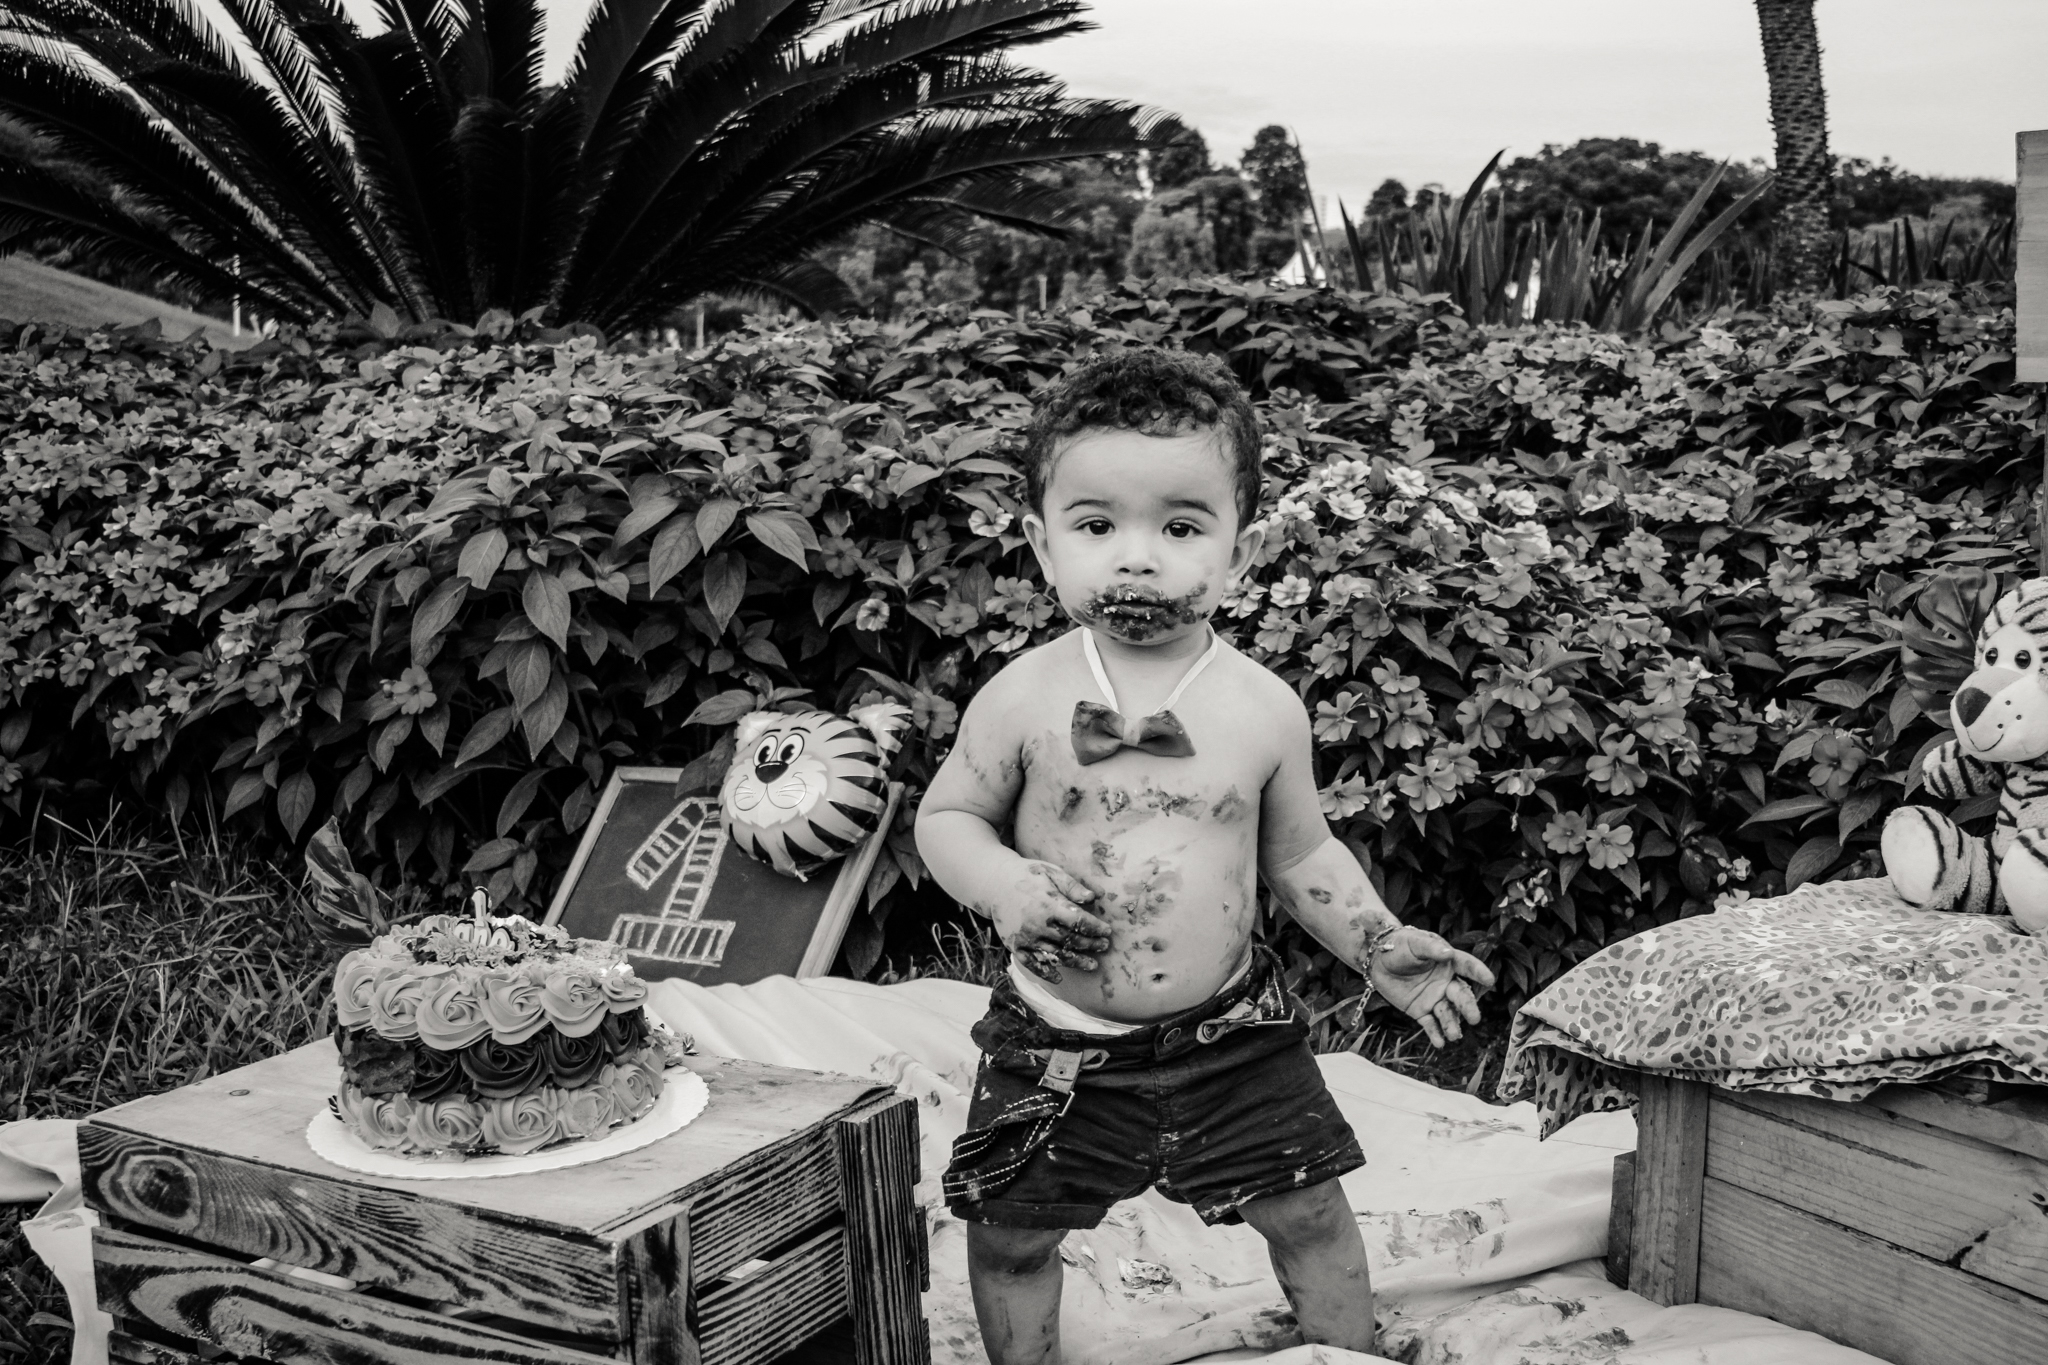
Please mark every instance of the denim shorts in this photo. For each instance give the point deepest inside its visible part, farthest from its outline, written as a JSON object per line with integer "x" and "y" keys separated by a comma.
{"x": 1214, "y": 1107}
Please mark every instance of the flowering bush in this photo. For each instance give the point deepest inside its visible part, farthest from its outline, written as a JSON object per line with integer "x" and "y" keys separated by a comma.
{"x": 1594, "y": 633}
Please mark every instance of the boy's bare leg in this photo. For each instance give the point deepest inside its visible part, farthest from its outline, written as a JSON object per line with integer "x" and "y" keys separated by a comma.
{"x": 1320, "y": 1261}
{"x": 1015, "y": 1276}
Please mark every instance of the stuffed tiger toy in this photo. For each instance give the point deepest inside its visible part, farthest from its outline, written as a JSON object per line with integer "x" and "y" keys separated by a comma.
{"x": 805, "y": 788}
{"x": 2000, "y": 715}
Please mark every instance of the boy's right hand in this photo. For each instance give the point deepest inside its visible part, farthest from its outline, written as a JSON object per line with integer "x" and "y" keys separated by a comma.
{"x": 1043, "y": 924}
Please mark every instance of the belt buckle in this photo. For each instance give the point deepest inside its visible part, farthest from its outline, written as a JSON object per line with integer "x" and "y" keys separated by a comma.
{"x": 1061, "y": 1071}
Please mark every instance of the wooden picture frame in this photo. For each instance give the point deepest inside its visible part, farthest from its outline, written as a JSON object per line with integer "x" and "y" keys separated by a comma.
{"x": 656, "y": 872}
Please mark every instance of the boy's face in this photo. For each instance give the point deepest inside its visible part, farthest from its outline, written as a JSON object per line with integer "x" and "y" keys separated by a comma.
{"x": 1139, "y": 534}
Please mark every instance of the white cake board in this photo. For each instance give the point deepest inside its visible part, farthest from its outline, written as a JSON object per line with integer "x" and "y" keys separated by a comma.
{"x": 683, "y": 1096}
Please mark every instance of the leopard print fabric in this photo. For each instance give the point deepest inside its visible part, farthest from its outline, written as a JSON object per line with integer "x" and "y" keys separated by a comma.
{"x": 1831, "y": 991}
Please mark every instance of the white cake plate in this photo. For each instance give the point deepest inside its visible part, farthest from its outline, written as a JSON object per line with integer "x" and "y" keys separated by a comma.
{"x": 683, "y": 1096}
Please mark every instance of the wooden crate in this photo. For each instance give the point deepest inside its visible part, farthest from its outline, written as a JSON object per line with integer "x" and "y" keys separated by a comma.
{"x": 1913, "y": 1225}
{"x": 785, "y": 1208}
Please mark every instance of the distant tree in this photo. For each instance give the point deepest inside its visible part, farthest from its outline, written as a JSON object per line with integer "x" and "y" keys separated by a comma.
{"x": 1278, "y": 177}
{"x": 1867, "y": 194}
{"x": 1170, "y": 245}
{"x": 1183, "y": 160}
{"x": 1390, "y": 197}
{"x": 1799, "y": 120}
{"x": 1632, "y": 183}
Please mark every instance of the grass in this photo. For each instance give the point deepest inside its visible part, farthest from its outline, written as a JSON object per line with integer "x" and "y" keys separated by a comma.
{"x": 134, "y": 967}
{"x": 32, "y": 291}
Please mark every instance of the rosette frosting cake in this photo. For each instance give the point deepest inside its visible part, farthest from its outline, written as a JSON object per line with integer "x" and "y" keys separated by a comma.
{"x": 464, "y": 1036}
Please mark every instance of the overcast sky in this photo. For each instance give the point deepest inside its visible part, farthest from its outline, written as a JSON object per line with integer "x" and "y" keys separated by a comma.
{"x": 1427, "y": 90}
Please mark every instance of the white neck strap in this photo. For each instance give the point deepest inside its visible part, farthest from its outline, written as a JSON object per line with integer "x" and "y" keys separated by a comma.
{"x": 1109, "y": 693}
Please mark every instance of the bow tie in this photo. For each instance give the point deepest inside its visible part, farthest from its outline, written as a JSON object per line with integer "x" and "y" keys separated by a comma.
{"x": 1100, "y": 731}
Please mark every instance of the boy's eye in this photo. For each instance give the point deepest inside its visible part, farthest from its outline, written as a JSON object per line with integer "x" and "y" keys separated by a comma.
{"x": 1181, "y": 530}
{"x": 1095, "y": 526}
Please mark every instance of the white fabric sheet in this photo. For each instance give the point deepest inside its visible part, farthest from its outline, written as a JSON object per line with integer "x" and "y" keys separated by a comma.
{"x": 1481, "y": 1239}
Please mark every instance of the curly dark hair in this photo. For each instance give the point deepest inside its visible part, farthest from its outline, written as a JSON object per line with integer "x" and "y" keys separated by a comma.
{"x": 1149, "y": 390}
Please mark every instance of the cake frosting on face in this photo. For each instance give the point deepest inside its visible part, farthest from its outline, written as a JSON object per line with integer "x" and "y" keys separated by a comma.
{"x": 462, "y": 1036}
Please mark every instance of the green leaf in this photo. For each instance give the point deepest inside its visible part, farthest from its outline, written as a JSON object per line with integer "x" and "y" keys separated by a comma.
{"x": 295, "y": 796}
{"x": 1813, "y": 857}
{"x": 723, "y": 709}
{"x": 785, "y": 533}
{"x": 675, "y": 545}
{"x": 481, "y": 557}
{"x": 527, "y": 672}
{"x": 246, "y": 792}
{"x": 518, "y": 799}
{"x": 645, "y": 516}
{"x": 435, "y": 614}
{"x": 725, "y": 583}
{"x": 544, "y": 717}
{"x": 485, "y": 734}
{"x": 1857, "y": 810}
{"x": 393, "y": 733}
{"x": 494, "y": 854}
{"x": 1788, "y": 808}
{"x": 547, "y": 606}
{"x": 713, "y": 519}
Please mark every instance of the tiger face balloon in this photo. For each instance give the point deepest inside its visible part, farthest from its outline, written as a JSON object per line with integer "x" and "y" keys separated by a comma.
{"x": 803, "y": 789}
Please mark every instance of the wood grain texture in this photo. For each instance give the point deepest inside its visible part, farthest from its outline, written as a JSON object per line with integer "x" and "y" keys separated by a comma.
{"x": 391, "y": 1239}
{"x": 275, "y": 1317}
{"x": 656, "y": 1303}
{"x": 763, "y": 1202}
{"x": 1980, "y": 1208}
{"x": 2019, "y": 1124}
{"x": 1671, "y": 1159}
{"x": 2031, "y": 267}
{"x": 752, "y": 1107}
{"x": 887, "y": 1254}
{"x": 1760, "y": 1256}
{"x": 1621, "y": 1209}
{"x": 773, "y": 1310}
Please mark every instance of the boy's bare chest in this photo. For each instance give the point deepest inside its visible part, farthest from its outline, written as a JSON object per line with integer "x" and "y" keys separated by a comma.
{"x": 1217, "y": 786}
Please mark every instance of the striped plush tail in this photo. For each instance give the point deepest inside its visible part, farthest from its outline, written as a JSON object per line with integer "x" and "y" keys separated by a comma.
{"x": 1935, "y": 865}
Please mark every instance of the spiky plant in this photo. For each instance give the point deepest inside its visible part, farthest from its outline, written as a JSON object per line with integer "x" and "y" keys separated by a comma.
{"x": 279, "y": 150}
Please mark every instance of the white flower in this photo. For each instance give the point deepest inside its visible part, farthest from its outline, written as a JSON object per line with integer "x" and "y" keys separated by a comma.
{"x": 983, "y": 524}
{"x": 1348, "y": 505}
{"x": 873, "y": 615}
{"x": 1291, "y": 591}
{"x": 1517, "y": 502}
{"x": 1409, "y": 483}
{"x": 1462, "y": 506}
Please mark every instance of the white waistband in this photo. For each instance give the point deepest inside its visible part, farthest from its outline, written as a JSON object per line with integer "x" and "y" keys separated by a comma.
{"x": 1072, "y": 1018}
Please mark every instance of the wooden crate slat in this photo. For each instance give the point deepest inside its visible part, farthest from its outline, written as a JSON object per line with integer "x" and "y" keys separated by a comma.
{"x": 766, "y": 1314}
{"x": 886, "y": 1249}
{"x": 277, "y": 1317}
{"x": 1963, "y": 1202}
{"x": 1671, "y": 1159}
{"x": 656, "y": 1305}
{"x": 763, "y": 1203}
{"x": 1760, "y": 1256}
{"x": 752, "y": 1106}
{"x": 2019, "y": 1125}
{"x": 425, "y": 1249}
{"x": 1621, "y": 1211}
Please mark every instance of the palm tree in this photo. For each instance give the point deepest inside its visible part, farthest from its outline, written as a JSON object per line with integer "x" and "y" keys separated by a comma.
{"x": 420, "y": 160}
{"x": 1799, "y": 118}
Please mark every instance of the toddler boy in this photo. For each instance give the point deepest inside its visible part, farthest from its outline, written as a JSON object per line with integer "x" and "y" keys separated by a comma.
{"x": 1148, "y": 775}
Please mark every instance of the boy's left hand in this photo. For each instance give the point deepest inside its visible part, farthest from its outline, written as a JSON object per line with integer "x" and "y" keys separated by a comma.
{"x": 1425, "y": 978}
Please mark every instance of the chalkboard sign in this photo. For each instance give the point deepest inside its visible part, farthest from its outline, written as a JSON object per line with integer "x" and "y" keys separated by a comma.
{"x": 656, "y": 872}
